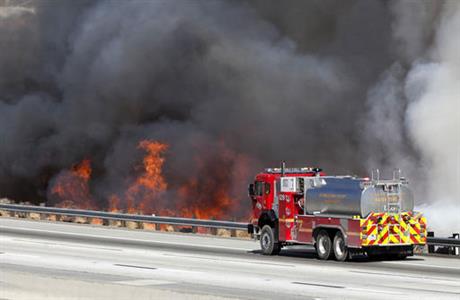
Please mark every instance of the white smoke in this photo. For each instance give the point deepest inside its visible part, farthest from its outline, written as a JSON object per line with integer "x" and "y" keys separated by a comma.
{"x": 9, "y": 10}
{"x": 433, "y": 121}
{"x": 414, "y": 111}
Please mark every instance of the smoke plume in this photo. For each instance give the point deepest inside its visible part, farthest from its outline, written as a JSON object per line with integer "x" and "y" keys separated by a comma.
{"x": 414, "y": 109}
{"x": 231, "y": 87}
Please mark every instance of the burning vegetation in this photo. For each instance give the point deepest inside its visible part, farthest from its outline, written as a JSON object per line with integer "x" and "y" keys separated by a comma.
{"x": 143, "y": 193}
{"x": 71, "y": 187}
{"x": 206, "y": 194}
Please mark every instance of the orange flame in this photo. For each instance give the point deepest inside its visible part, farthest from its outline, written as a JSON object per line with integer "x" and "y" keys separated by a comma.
{"x": 142, "y": 194}
{"x": 71, "y": 187}
{"x": 207, "y": 193}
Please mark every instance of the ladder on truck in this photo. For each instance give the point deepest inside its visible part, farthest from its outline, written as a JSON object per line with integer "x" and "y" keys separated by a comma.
{"x": 392, "y": 190}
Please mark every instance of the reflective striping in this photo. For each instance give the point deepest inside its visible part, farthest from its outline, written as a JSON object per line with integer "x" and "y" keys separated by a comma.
{"x": 393, "y": 229}
{"x": 353, "y": 233}
{"x": 394, "y": 239}
{"x": 286, "y": 220}
{"x": 372, "y": 230}
{"x": 383, "y": 236}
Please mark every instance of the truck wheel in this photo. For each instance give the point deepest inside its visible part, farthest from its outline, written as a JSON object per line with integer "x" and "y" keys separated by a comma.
{"x": 323, "y": 245}
{"x": 267, "y": 241}
{"x": 339, "y": 246}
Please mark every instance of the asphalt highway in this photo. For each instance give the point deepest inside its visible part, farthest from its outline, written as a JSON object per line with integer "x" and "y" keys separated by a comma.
{"x": 44, "y": 260}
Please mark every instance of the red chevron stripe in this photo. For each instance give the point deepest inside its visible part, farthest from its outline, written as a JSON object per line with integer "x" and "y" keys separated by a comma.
{"x": 383, "y": 238}
{"x": 416, "y": 229}
{"x": 365, "y": 223}
{"x": 393, "y": 230}
{"x": 373, "y": 227}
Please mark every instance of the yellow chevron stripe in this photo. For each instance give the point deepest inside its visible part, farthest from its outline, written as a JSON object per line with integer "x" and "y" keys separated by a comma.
{"x": 393, "y": 239}
{"x": 374, "y": 229}
{"x": 412, "y": 231}
{"x": 417, "y": 238}
{"x": 381, "y": 234}
{"x": 405, "y": 238}
{"x": 384, "y": 219}
{"x": 404, "y": 232}
{"x": 403, "y": 225}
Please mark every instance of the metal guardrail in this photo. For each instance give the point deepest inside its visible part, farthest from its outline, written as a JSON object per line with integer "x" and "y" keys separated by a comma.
{"x": 124, "y": 217}
{"x": 449, "y": 246}
{"x": 446, "y": 242}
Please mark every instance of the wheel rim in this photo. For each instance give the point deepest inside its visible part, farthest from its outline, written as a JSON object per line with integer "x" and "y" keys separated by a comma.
{"x": 339, "y": 247}
{"x": 321, "y": 245}
{"x": 265, "y": 241}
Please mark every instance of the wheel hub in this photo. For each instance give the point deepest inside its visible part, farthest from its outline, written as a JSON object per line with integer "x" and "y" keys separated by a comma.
{"x": 321, "y": 246}
{"x": 339, "y": 247}
{"x": 265, "y": 241}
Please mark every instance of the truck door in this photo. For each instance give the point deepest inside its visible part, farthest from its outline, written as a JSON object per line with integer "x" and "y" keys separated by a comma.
{"x": 259, "y": 204}
{"x": 264, "y": 194}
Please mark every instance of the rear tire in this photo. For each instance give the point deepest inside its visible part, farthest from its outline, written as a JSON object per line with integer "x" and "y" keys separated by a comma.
{"x": 339, "y": 246}
{"x": 323, "y": 245}
{"x": 267, "y": 241}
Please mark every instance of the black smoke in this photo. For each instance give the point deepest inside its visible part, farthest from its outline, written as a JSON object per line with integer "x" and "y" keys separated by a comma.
{"x": 267, "y": 80}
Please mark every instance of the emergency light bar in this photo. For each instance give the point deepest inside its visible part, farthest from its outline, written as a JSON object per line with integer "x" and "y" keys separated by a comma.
{"x": 293, "y": 170}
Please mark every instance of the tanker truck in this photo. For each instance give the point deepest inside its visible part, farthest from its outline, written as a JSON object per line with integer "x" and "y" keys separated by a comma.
{"x": 341, "y": 216}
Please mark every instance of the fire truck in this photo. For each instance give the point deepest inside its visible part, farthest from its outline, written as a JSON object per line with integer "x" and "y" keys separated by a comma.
{"x": 341, "y": 216}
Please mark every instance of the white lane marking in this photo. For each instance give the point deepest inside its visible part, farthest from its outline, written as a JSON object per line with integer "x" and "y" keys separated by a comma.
{"x": 421, "y": 265}
{"x": 143, "y": 282}
{"x": 375, "y": 291}
{"x": 220, "y": 259}
{"x": 7, "y": 254}
{"x": 402, "y": 275}
{"x": 57, "y": 244}
{"x": 127, "y": 239}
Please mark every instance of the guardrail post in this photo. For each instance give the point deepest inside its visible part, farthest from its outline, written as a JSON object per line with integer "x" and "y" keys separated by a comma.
{"x": 430, "y": 247}
{"x": 456, "y": 250}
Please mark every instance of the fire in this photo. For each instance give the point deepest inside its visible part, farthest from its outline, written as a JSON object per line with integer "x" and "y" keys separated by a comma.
{"x": 207, "y": 192}
{"x": 71, "y": 188}
{"x": 203, "y": 200}
{"x": 149, "y": 186}
{"x": 114, "y": 203}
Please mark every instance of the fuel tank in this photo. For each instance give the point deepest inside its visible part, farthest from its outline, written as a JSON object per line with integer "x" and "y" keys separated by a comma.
{"x": 355, "y": 196}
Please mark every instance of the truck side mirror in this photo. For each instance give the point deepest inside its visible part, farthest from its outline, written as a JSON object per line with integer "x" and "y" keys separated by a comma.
{"x": 251, "y": 191}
